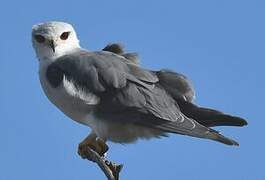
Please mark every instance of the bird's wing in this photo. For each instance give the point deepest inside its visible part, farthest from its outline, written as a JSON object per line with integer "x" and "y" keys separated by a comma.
{"x": 127, "y": 93}
{"x": 119, "y": 49}
{"x": 177, "y": 85}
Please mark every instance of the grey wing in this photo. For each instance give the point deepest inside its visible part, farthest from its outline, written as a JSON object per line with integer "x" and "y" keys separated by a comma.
{"x": 177, "y": 85}
{"x": 129, "y": 94}
{"x": 119, "y": 49}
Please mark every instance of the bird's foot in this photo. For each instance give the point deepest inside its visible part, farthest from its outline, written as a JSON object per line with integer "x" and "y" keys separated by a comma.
{"x": 102, "y": 146}
{"x": 94, "y": 149}
{"x": 95, "y": 144}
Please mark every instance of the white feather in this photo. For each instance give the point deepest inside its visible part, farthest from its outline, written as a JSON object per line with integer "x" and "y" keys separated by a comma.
{"x": 88, "y": 97}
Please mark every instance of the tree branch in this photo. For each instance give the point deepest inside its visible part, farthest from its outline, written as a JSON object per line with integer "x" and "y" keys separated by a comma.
{"x": 110, "y": 169}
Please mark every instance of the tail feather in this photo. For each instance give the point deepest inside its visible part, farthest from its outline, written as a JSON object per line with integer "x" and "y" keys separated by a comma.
{"x": 220, "y": 138}
{"x": 195, "y": 130}
{"x": 209, "y": 117}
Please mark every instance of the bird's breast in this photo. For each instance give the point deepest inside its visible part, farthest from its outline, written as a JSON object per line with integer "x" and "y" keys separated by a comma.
{"x": 76, "y": 106}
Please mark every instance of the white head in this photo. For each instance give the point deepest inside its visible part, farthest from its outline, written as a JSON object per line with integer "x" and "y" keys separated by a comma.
{"x": 53, "y": 39}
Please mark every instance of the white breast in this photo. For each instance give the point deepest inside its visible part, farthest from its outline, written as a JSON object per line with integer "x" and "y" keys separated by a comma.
{"x": 75, "y": 103}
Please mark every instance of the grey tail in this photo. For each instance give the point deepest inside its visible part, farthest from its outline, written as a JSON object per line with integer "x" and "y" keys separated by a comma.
{"x": 191, "y": 127}
{"x": 214, "y": 135}
{"x": 209, "y": 117}
{"x": 200, "y": 132}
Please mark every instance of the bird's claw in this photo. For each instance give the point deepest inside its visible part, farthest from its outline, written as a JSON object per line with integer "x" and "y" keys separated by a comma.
{"x": 103, "y": 147}
{"x": 97, "y": 145}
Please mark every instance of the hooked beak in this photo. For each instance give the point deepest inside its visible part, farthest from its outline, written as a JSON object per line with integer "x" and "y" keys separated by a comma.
{"x": 52, "y": 46}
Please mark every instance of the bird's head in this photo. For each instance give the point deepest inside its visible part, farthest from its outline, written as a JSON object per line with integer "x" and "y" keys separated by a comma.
{"x": 53, "y": 39}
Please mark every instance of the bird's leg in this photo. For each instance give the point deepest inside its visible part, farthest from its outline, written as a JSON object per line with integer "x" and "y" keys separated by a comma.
{"x": 93, "y": 142}
{"x": 102, "y": 146}
{"x": 93, "y": 149}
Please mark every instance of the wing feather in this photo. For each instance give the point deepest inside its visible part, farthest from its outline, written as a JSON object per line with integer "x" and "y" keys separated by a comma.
{"x": 177, "y": 85}
{"x": 128, "y": 93}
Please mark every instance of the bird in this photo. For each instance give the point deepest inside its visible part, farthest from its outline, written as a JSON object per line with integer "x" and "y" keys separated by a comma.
{"x": 122, "y": 102}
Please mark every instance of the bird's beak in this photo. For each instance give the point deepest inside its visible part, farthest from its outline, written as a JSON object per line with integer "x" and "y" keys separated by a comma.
{"x": 52, "y": 45}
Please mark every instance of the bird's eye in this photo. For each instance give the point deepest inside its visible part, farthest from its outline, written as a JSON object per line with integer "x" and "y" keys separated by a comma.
{"x": 64, "y": 35}
{"x": 39, "y": 38}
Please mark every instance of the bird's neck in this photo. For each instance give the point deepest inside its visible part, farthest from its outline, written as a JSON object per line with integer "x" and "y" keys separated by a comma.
{"x": 48, "y": 56}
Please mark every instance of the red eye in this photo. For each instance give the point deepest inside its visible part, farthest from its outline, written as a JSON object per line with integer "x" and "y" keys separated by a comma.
{"x": 64, "y": 35}
{"x": 39, "y": 38}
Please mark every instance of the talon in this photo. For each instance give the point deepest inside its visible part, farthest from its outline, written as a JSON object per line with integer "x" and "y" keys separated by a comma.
{"x": 82, "y": 150}
{"x": 88, "y": 142}
{"x": 103, "y": 147}
{"x": 96, "y": 144}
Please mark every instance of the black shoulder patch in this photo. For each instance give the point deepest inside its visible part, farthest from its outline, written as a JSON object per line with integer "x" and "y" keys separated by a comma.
{"x": 54, "y": 75}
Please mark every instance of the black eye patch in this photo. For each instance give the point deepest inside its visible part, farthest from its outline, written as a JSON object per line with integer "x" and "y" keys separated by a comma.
{"x": 39, "y": 38}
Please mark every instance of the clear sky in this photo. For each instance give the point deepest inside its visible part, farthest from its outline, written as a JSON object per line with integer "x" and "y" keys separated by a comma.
{"x": 219, "y": 45}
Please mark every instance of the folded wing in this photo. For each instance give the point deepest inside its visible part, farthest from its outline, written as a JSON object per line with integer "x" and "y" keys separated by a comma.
{"x": 128, "y": 93}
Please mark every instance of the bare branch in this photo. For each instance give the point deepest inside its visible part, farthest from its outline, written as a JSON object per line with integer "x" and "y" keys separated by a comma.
{"x": 110, "y": 169}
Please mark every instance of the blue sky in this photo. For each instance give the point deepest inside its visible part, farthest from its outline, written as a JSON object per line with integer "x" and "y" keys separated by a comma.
{"x": 219, "y": 45}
